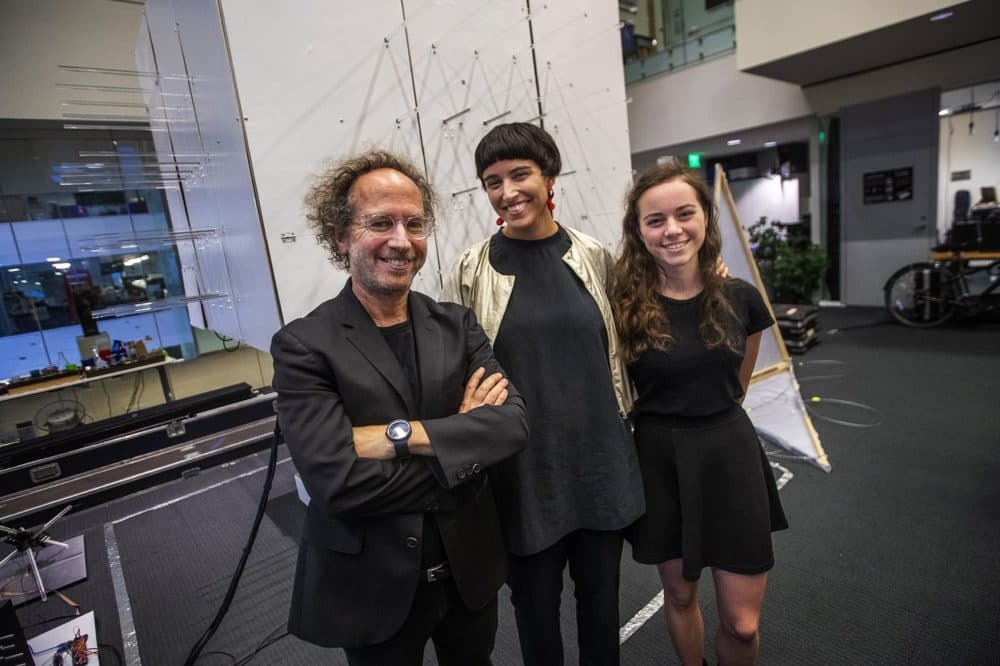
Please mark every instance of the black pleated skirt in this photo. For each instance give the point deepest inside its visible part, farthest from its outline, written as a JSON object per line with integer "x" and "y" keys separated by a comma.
{"x": 711, "y": 498}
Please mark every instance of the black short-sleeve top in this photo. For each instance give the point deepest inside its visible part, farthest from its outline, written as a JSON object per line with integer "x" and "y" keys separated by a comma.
{"x": 689, "y": 380}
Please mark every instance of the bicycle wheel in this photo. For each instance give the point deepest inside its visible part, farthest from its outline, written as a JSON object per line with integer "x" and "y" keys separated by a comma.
{"x": 921, "y": 295}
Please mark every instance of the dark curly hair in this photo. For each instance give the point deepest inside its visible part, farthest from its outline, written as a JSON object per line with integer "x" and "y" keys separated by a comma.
{"x": 329, "y": 202}
{"x": 642, "y": 323}
{"x": 518, "y": 141}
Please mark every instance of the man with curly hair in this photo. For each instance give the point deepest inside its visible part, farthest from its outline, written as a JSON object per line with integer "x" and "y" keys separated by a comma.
{"x": 393, "y": 408}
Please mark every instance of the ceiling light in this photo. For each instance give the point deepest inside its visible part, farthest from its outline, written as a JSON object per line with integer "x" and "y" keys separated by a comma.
{"x": 62, "y": 266}
{"x": 944, "y": 112}
{"x": 13, "y": 270}
{"x": 53, "y": 259}
{"x": 734, "y": 142}
{"x": 942, "y": 16}
{"x": 770, "y": 144}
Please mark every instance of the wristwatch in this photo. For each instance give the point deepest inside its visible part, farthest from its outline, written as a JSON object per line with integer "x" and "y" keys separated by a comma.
{"x": 399, "y": 432}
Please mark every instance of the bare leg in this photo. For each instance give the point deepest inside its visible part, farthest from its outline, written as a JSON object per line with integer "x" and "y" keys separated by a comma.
{"x": 684, "y": 621}
{"x": 739, "y": 598}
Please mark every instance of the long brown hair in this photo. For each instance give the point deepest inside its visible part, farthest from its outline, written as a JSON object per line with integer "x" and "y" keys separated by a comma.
{"x": 642, "y": 323}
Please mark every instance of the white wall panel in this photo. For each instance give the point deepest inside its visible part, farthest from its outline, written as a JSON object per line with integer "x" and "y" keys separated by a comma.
{"x": 316, "y": 83}
{"x": 582, "y": 84}
{"x": 772, "y": 29}
{"x": 36, "y": 36}
{"x": 471, "y": 64}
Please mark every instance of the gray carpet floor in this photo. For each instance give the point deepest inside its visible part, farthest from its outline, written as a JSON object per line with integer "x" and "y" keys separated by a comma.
{"x": 892, "y": 558}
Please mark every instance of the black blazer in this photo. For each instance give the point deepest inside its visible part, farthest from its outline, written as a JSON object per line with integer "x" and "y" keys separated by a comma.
{"x": 359, "y": 556}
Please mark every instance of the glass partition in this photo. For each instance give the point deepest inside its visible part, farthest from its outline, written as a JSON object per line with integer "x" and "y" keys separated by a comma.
{"x": 55, "y": 290}
{"x": 660, "y": 36}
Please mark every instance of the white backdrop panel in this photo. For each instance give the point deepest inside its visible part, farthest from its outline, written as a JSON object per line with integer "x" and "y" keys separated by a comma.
{"x": 582, "y": 85}
{"x": 777, "y": 411}
{"x": 736, "y": 255}
{"x": 471, "y": 64}
{"x": 317, "y": 81}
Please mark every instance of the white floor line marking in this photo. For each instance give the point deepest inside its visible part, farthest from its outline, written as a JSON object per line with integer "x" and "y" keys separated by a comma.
{"x": 786, "y": 475}
{"x": 639, "y": 619}
{"x": 196, "y": 492}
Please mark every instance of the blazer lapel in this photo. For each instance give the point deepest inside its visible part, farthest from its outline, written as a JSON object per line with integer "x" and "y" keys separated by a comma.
{"x": 430, "y": 353}
{"x": 360, "y": 331}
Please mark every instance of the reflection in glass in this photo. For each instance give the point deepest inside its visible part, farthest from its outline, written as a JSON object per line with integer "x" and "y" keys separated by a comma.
{"x": 662, "y": 35}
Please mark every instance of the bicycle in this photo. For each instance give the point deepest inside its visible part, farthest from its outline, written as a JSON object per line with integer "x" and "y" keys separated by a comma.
{"x": 928, "y": 293}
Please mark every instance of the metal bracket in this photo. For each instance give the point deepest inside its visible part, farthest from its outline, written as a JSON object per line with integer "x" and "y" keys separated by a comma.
{"x": 176, "y": 428}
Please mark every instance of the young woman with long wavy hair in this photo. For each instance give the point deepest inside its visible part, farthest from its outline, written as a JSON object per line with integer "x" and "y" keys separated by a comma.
{"x": 690, "y": 338}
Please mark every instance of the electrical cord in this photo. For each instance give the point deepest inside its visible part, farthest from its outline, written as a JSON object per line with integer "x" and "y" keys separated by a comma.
{"x": 267, "y": 642}
{"x": 224, "y": 339}
{"x": 107, "y": 396}
{"x": 104, "y": 648}
{"x": 817, "y": 400}
{"x": 272, "y": 463}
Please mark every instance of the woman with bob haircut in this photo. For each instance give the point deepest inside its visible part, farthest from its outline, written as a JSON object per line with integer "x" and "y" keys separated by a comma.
{"x": 540, "y": 291}
{"x": 690, "y": 338}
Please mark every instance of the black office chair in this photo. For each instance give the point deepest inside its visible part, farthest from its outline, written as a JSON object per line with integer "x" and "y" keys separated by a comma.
{"x": 963, "y": 201}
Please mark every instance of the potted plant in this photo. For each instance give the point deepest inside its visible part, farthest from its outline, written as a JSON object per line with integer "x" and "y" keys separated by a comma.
{"x": 791, "y": 267}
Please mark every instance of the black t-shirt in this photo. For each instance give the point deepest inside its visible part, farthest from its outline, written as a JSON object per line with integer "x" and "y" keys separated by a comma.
{"x": 552, "y": 342}
{"x": 401, "y": 341}
{"x": 688, "y": 379}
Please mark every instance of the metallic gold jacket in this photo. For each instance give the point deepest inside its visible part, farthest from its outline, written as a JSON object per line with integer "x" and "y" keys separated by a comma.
{"x": 474, "y": 283}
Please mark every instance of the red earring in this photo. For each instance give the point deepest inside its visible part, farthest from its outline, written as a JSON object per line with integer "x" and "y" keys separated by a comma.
{"x": 550, "y": 204}
{"x": 499, "y": 221}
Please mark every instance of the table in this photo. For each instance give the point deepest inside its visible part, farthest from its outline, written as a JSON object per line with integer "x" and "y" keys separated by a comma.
{"x": 965, "y": 255}
{"x": 76, "y": 380}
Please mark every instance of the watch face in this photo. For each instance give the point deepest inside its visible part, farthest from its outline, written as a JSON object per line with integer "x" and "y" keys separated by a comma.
{"x": 398, "y": 430}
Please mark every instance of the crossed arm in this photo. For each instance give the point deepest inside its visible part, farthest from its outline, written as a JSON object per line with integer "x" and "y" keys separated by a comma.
{"x": 370, "y": 440}
{"x": 349, "y": 469}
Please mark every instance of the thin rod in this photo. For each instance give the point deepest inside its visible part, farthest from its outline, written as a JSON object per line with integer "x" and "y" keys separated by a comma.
{"x": 120, "y": 72}
{"x": 496, "y": 117}
{"x": 122, "y": 128}
{"x": 456, "y": 115}
{"x": 115, "y": 153}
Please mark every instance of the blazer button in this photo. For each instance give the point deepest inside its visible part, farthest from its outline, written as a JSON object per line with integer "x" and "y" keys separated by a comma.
{"x": 476, "y": 469}
{"x": 412, "y": 542}
{"x": 462, "y": 473}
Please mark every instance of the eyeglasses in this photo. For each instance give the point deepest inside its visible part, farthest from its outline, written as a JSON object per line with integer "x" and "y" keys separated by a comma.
{"x": 417, "y": 227}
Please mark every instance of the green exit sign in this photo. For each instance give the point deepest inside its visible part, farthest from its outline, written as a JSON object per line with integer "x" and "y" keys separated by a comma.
{"x": 694, "y": 160}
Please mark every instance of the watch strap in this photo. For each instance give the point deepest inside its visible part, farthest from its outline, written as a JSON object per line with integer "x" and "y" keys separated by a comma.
{"x": 401, "y": 447}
